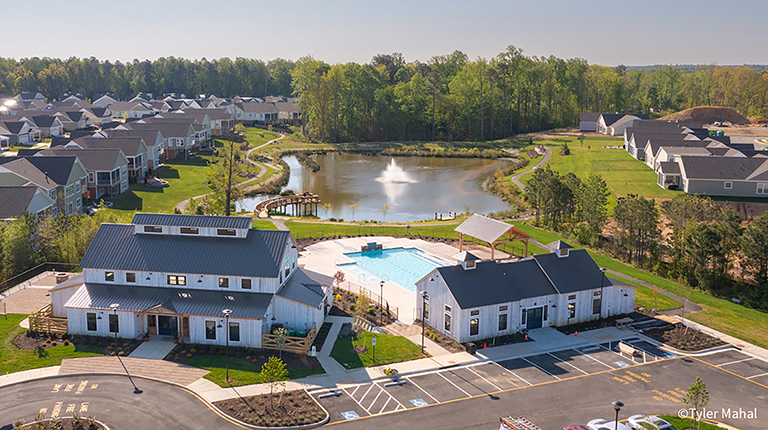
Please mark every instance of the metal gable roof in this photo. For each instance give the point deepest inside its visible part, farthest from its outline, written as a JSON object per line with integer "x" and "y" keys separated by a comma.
{"x": 185, "y": 301}
{"x": 486, "y": 229}
{"x": 203, "y": 221}
{"x": 576, "y": 272}
{"x": 305, "y": 287}
{"x": 118, "y": 247}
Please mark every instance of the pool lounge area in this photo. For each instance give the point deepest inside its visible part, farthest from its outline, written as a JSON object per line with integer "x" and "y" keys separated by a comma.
{"x": 403, "y": 266}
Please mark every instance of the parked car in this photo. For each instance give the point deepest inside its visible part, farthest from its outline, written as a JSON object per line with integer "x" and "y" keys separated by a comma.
{"x": 601, "y": 424}
{"x": 641, "y": 422}
{"x": 576, "y": 427}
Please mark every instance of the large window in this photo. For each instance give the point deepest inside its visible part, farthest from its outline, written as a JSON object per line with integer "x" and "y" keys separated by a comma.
{"x": 762, "y": 188}
{"x": 109, "y": 276}
{"x": 190, "y": 230}
{"x": 502, "y": 322}
{"x": 210, "y": 330}
{"x": 114, "y": 324}
{"x": 524, "y": 314}
{"x": 571, "y": 310}
{"x": 234, "y": 332}
{"x": 91, "y": 317}
{"x": 223, "y": 282}
{"x": 245, "y": 284}
{"x": 177, "y": 280}
{"x": 153, "y": 229}
{"x": 597, "y": 304}
{"x": 226, "y": 232}
{"x": 130, "y": 277}
{"x": 448, "y": 322}
{"x": 474, "y": 326}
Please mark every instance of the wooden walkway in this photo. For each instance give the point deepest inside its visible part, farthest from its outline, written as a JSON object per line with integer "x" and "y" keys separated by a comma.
{"x": 302, "y": 204}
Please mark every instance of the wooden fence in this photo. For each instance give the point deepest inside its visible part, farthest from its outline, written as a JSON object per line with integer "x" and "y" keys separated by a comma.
{"x": 44, "y": 321}
{"x": 299, "y": 345}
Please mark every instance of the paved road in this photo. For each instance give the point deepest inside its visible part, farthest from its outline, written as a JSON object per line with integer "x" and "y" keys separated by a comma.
{"x": 183, "y": 204}
{"x": 516, "y": 178}
{"x": 111, "y": 399}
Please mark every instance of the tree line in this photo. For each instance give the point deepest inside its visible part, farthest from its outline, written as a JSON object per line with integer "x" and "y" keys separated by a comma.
{"x": 448, "y": 97}
{"x": 691, "y": 239}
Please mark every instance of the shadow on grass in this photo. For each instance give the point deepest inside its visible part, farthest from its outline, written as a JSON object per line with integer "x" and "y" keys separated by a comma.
{"x": 129, "y": 201}
{"x": 344, "y": 354}
{"x": 41, "y": 352}
{"x": 167, "y": 172}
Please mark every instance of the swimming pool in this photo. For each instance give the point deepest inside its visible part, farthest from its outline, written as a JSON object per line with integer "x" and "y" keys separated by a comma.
{"x": 405, "y": 266}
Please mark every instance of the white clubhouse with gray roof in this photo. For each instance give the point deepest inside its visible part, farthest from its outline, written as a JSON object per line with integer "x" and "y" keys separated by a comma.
{"x": 477, "y": 300}
{"x": 176, "y": 274}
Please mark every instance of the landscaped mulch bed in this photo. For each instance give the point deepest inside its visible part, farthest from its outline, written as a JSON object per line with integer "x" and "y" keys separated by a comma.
{"x": 82, "y": 423}
{"x": 344, "y": 306}
{"x": 502, "y": 340}
{"x": 31, "y": 341}
{"x": 296, "y": 408}
{"x": 444, "y": 341}
{"x": 683, "y": 338}
{"x": 256, "y": 356}
{"x": 601, "y": 323}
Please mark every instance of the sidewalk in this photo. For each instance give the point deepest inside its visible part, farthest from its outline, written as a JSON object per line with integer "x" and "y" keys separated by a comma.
{"x": 745, "y": 347}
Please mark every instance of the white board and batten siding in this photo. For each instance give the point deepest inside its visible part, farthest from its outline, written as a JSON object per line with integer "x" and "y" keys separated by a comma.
{"x": 129, "y": 324}
{"x": 60, "y": 297}
{"x": 160, "y": 279}
{"x": 295, "y": 315}
{"x": 250, "y": 331}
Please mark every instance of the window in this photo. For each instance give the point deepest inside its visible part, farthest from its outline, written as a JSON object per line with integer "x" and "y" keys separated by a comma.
{"x": 52, "y": 194}
{"x": 210, "y": 330}
{"x": 234, "y": 332}
{"x": 470, "y": 264}
{"x": 447, "y": 308}
{"x": 448, "y": 322}
{"x": 70, "y": 190}
{"x": 91, "y": 318}
{"x": 226, "y": 232}
{"x": 70, "y": 208}
{"x": 245, "y": 284}
{"x": 502, "y": 322}
{"x": 109, "y": 276}
{"x": 727, "y": 185}
{"x": 177, "y": 280}
{"x": 91, "y": 177}
{"x": 78, "y": 189}
{"x": 597, "y": 304}
{"x": 153, "y": 229}
{"x": 546, "y": 313}
{"x": 79, "y": 202}
{"x": 475, "y": 312}
{"x": 223, "y": 282}
{"x": 524, "y": 314}
{"x": 474, "y": 326}
{"x": 503, "y": 308}
{"x": 426, "y": 311}
{"x": 563, "y": 252}
{"x": 114, "y": 324}
{"x": 130, "y": 277}
{"x": 572, "y": 297}
{"x": 190, "y": 230}
{"x": 762, "y": 188}
{"x": 597, "y": 294}
{"x": 571, "y": 310}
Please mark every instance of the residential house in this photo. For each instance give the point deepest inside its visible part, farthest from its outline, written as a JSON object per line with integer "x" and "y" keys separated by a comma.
{"x": 26, "y": 96}
{"x": 134, "y": 148}
{"x": 131, "y": 109}
{"x": 179, "y": 136}
{"x": 19, "y": 199}
{"x": 257, "y": 113}
{"x": 153, "y": 139}
{"x": 588, "y": 121}
{"x": 175, "y": 275}
{"x": 105, "y": 101}
{"x": 107, "y": 169}
{"x": 614, "y": 124}
{"x": 63, "y": 178}
{"x": 477, "y": 299}
{"x": 288, "y": 111}
{"x": 18, "y": 132}
{"x": 48, "y": 125}
{"x": 724, "y": 176}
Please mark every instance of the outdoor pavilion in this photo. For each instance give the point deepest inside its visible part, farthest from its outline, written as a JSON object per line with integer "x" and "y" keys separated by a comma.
{"x": 491, "y": 232}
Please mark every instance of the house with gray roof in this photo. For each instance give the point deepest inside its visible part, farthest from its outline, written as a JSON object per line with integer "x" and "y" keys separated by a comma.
{"x": 153, "y": 139}
{"x": 134, "y": 149}
{"x": 107, "y": 169}
{"x": 485, "y": 299}
{"x": 724, "y": 176}
{"x": 17, "y": 200}
{"x": 174, "y": 275}
{"x": 62, "y": 178}
{"x": 179, "y": 136}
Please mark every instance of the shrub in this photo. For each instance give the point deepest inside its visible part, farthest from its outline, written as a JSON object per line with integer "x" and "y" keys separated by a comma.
{"x": 53, "y": 343}
{"x": 248, "y": 358}
{"x": 352, "y": 308}
{"x": 66, "y": 342}
{"x": 255, "y": 360}
{"x": 239, "y": 354}
{"x": 251, "y": 351}
{"x": 189, "y": 355}
{"x": 126, "y": 345}
{"x": 183, "y": 351}
{"x": 193, "y": 351}
{"x": 109, "y": 348}
{"x": 372, "y": 312}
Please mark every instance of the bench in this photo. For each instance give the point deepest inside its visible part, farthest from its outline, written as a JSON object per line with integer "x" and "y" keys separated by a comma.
{"x": 624, "y": 322}
{"x": 628, "y": 349}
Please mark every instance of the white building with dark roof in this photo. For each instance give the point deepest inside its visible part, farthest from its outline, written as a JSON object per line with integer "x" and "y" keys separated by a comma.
{"x": 175, "y": 274}
{"x": 477, "y": 300}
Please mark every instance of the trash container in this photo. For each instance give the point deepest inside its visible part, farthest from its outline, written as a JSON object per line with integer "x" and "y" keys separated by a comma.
{"x": 471, "y": 348}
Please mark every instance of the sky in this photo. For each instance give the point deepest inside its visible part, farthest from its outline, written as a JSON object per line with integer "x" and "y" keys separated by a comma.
{"x": 606, "y": 32}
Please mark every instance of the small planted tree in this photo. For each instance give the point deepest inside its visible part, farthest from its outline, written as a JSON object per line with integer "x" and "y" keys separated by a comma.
{"x": 384, "y": 211}
{"x": 339, "y": 277}
{"x": 326, "y": 207}
{"x": 274, "y": 374}
{"x": 353, "y": 208}
{"x": 697, "y": 398}
{"x": 281, "y": 336}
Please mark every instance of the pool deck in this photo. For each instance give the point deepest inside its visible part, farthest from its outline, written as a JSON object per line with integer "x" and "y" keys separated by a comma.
{"x": 323, "y": 257}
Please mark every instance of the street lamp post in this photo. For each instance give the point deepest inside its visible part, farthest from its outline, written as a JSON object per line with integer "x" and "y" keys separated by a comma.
{"x": 381, "y": 302}
{"x": 617, "y": 405}
{"x": 602, "y": 282}
{"x": 114, "y": 307}
{"x": 424, "y": 298}
{"x": 227, "y": 312}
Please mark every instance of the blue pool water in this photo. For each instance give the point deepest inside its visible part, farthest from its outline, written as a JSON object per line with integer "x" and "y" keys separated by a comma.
{"x": 405, "y": 266}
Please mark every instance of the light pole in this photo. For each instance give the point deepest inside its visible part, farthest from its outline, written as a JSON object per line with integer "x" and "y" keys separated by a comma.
{"x": 602, "y": 282}
{"x": 381, "y": 302}
{"x": 114, "y": 307}
{"x": 617, "y": 405}
{"x": 424, "y": 298}
{"x": 227, "y": 312}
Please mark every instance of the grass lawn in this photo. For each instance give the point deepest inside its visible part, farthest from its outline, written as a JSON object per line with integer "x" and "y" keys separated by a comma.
{"x": 725, "y": 316}
{"x": 261, "y": 224}
{"x": 623, "y": 174}
{"x": 644, "y": 297}
{"x": 13, "y": 359}
{"x": 389, "y": 349}
{"x": 682, "y": 423}
{"x": 240, "y": 372}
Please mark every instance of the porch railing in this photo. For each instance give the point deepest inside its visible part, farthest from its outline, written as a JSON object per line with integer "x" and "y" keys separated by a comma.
{"x": 44, "y": 321}
{"x": 299, "y": 345}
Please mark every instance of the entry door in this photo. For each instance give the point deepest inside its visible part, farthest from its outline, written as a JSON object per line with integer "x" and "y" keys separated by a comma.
{"x": 167, "y": 326}
{"x": 152, "y": 324}
{"x": 534, "y": 318}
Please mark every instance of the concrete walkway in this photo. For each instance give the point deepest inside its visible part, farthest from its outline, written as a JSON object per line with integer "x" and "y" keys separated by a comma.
{"x": 516, "y": 178}
{"x": 156, "y": 349}
{"x": 158, "y": 369}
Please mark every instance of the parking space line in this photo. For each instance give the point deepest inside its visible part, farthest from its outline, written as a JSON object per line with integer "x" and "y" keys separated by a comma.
{"x": 481, "y": 377}
{"x": 451, "y": 382}
{"x": 513, "y": 373}
{"x": 610, "y": 350}
{"x": 558, "y": 358}
{"x": 755, "y": 376}
{"x": 385, "y": 405}
{"x": 355, "y": 390}
{"x": 738, "y": 361}
{"x": 381, "y": 390}
{"x": 587, "y": 355}
{"x": 366, "y": 393}
{"x": 542, "y": 369}
{"x": 425, "y": 391}
{"x": 358, "y": 403}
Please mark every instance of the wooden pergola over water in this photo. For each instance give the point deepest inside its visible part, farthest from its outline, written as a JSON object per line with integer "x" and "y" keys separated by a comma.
{"x": 491, "y": 232}
{"x": 302, "y": 204}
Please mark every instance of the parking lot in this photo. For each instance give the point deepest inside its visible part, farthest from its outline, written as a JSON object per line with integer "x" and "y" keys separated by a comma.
{"x": 484, "y": 379}
{"x": 741, "y": 364}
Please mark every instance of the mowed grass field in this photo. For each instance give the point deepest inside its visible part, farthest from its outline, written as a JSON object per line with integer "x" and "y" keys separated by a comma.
{"x": 623, "y": 174}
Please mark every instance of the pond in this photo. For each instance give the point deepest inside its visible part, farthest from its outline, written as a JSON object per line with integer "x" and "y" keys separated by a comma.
{"x": 413, "y": 187}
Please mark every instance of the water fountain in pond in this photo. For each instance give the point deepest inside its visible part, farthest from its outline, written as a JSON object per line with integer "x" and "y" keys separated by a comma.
{"x": 394, "y": 174}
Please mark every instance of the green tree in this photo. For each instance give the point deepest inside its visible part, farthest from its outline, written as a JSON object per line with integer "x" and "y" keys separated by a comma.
{"x": 281, "y": 337}
{"x": 592, "y": 198}
{"x": 637, "y": 224}
{"x": 18, "y": 245}
{"x": 325, "y": 207}
{"x": 223, "y": 173}
{"x": 696, "y": 398}
{"x": 274, "y": 374}
{"x": 754, "y": 247}
{"x": 353, "y": 208}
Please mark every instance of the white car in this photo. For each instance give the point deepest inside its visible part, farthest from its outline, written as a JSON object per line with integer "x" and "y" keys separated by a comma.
{"x": 641, "y": 422}
{"x": 601, "y": 424}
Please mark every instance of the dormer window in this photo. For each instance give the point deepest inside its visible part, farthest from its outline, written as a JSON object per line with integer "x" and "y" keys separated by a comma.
{"x": 469, "y": 264}
{"x": 153, "y": 229}
{"x": 190, "y": 230}
{"x": 562, "y": 252}
{"x": 226, "y": 232}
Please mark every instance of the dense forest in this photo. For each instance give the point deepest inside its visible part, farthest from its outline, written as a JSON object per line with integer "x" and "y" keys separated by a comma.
{"x": 450, "y": 97}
